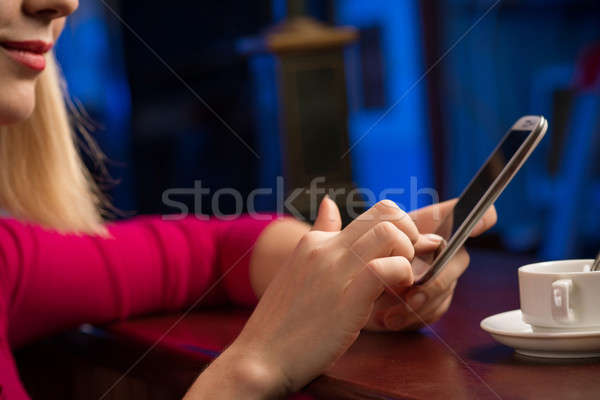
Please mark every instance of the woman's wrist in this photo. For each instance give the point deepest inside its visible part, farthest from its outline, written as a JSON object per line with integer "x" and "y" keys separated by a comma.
{"x": 257, "y": 374}
{"x": 238, "y": 373}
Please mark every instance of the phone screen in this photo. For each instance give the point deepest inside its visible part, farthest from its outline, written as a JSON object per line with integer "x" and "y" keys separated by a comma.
{"x": 482, "y": 182}
{"x": 424, "y": 267}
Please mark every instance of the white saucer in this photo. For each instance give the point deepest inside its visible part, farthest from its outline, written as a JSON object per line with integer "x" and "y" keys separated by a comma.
{"x": 509, "y": 329}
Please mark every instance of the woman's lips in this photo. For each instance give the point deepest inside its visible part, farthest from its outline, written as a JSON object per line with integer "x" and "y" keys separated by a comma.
{"x": 29, "y": 53}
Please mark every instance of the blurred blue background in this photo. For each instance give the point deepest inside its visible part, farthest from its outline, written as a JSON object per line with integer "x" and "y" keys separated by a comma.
{"x": 431, "y": 88}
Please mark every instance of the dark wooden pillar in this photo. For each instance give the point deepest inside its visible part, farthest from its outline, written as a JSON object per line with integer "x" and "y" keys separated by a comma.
{"x": 430, "y": 17}
{"x": 312, "y": 106}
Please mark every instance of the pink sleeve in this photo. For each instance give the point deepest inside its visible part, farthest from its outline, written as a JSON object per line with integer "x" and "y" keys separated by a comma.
{"x": 51, "y": 282}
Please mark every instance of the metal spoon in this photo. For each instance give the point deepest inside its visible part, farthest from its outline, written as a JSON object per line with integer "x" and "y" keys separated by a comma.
{"x": 596, "y": 264}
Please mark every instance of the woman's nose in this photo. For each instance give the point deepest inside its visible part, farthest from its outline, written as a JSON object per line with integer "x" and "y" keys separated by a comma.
{"x": 50, "y": 9}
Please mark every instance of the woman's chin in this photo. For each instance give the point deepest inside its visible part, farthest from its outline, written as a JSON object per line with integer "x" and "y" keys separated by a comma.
{"x": 16, "y": 106}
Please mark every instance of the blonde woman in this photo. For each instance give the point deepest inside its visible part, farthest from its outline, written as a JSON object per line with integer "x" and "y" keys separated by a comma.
{"x": 61, "y": 265}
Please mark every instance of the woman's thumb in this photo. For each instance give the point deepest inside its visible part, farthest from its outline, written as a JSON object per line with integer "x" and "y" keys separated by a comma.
{"x": 328, "y": 219}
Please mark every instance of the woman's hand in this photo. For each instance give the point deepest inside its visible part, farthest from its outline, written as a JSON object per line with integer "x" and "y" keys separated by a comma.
{"x": 418, "y": 306}
{"x": 317, "y": 304}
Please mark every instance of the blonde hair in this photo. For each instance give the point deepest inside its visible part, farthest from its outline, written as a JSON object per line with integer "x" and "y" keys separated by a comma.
{"x": 42, "y": 177}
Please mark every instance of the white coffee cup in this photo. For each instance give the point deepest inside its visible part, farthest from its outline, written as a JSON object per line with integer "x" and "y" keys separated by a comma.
{"x": 560, "y": 295}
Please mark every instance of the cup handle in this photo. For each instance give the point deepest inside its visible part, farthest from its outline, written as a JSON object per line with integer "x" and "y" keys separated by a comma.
{"x": 561, "y": 301}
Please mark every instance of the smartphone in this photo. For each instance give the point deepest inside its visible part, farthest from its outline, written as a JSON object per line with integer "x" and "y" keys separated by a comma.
{"x": 483, "y": 190}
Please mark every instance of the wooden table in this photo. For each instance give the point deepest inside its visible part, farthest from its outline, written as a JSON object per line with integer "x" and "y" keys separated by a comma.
{"x": 454, "y": 359}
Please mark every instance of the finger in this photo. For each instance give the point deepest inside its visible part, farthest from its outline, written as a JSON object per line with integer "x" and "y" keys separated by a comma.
{"x": 400, "y": 316}
{"x": 385, "y": 210}
{"x": 377, "y": 274}
{"x": 432, "y": 307}
{"x": 383, "y": 240}
{"x": 428, "y": 243}
{"x": 418, "y": 296}
{"x": 429, "y": 218}
{"x": 328, "y": 218}
{"x": 486, "y": 222}
{"x": 439, "y": 313}
{"x": 383, "y": 304}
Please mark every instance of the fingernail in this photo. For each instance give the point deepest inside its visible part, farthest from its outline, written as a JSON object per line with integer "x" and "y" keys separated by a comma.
{"x": 416, "y": 301}
{"x": 432, "y": 238}
{"x": 394, "y": 321}
{"x": 389, "y": 203}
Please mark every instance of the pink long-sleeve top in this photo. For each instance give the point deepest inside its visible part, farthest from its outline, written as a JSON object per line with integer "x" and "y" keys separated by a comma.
{"x": 51, "y": 282}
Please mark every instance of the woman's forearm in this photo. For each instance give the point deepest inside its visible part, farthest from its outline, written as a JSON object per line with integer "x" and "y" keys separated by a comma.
{"x": 236, "y": 373}
{"x": 273, "y": 248}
